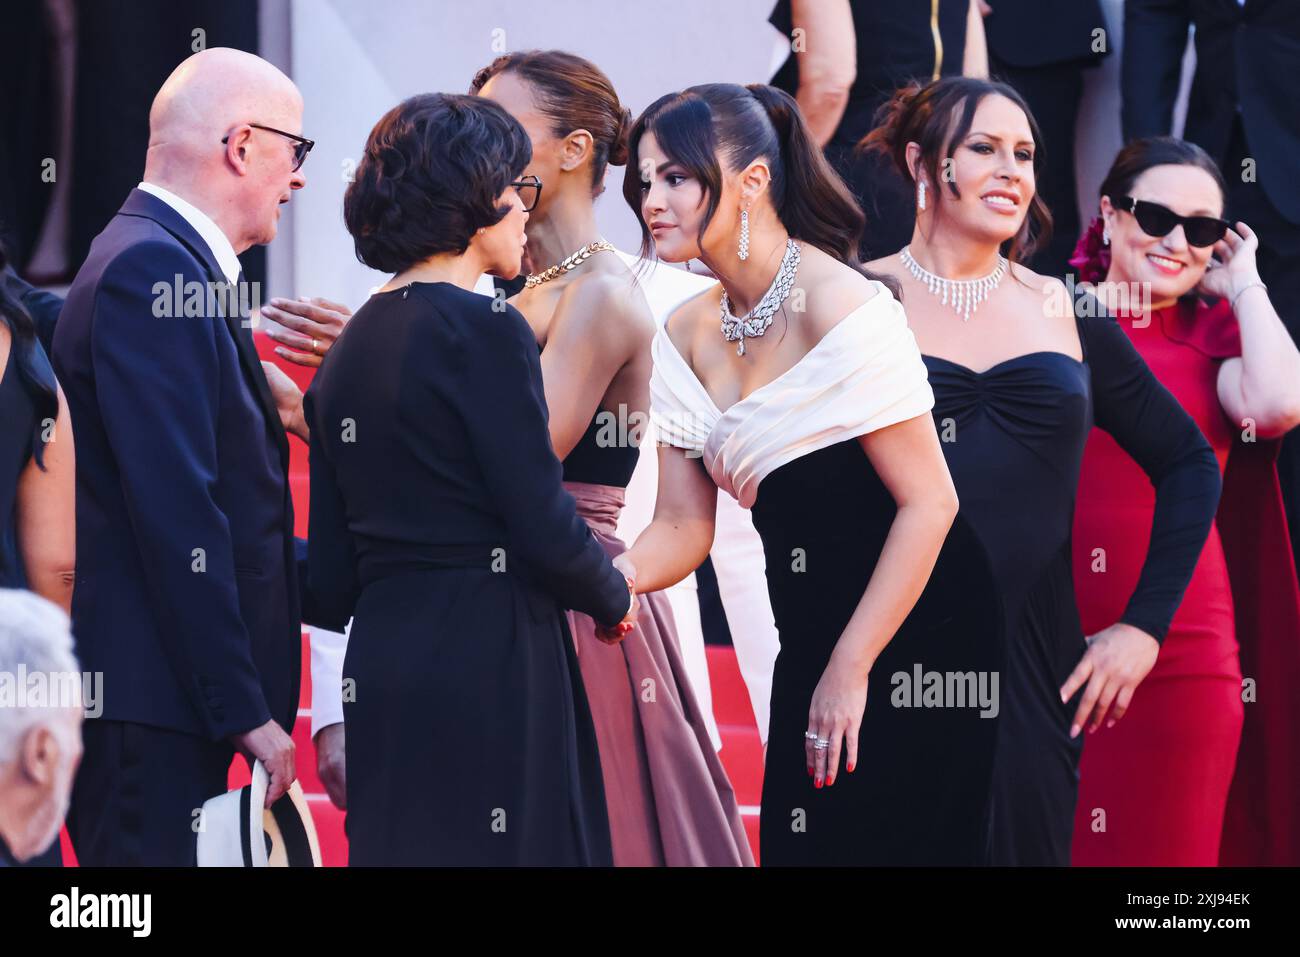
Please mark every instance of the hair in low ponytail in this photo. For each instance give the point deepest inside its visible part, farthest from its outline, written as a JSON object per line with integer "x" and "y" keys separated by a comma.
{"x": 811, "y": 199}
{"x": 742, "y": 124}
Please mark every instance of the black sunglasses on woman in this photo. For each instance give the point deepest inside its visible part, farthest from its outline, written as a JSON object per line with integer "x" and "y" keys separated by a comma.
{"x": 1157, "y": 220}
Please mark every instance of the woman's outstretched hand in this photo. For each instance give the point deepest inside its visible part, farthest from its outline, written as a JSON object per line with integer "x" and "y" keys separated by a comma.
{"x": 304, "y": 328}
{"x": 1117, "y": 660}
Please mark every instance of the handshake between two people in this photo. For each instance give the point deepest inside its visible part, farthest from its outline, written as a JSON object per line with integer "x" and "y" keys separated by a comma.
{"x": 612, "y": 636}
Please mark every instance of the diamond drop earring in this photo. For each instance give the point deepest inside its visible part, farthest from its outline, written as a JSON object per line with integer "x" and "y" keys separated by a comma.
{"x": 920, "y": 194}
{"x": 1105, "y": 235}
{"x": 744, "y": 234}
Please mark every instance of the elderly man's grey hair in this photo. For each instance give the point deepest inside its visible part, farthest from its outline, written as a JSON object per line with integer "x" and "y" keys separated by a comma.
{"x": 35, "y": 639}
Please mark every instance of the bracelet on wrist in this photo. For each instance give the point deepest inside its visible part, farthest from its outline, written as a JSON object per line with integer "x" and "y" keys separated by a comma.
{"x": 1242, "y": 292}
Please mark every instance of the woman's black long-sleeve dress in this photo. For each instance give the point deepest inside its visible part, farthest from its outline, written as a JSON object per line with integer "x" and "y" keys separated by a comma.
{"x": 437, "y": 513}
{"x": 1014, "y": 438}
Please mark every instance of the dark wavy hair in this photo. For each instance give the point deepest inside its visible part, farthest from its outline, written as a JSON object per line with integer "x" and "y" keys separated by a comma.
{"x": 937, "y": 117}
{"x": 31, "y": 363}
{"x": 741, "y": 124}
{"x": 1139, "y": 156}
{"x": 432, "y": 173}
{"x": 574, "y": 94}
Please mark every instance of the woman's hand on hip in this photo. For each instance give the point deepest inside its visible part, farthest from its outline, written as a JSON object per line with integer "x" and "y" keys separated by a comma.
{"x": 1117, "y": 660}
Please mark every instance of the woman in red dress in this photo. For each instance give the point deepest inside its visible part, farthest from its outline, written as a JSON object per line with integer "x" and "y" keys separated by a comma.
{"x": 1158, "y": 787}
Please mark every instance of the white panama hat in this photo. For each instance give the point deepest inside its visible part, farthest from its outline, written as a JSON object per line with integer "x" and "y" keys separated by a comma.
{"x": 237, "y": 831}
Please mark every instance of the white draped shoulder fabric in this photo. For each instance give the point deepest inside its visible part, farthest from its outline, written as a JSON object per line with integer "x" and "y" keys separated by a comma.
{"x": 866, "y": 373}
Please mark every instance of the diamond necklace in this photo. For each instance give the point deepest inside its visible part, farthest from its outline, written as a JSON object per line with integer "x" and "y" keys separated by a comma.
{"x": 755, "y": 322}
{"x": 567, "y": 264}
{"x": 965, "y": 295}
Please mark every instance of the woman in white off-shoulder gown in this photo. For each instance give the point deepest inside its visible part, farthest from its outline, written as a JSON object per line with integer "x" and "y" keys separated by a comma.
{"x": 822, "y": 428}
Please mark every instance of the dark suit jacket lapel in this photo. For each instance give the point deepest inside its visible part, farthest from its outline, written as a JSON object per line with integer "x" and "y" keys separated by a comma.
{"x": 140, "y": 203}
{"x": 252, "y": 363}
{"x": 148, "y": 206}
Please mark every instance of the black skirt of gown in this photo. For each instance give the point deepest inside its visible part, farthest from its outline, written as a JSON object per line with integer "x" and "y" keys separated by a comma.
{"x": 1015, "y": 436}
{"x": 920, "y": 792}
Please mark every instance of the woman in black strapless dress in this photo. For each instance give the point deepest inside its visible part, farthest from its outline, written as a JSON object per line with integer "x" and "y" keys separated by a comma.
{"x": 1021, "y": 372}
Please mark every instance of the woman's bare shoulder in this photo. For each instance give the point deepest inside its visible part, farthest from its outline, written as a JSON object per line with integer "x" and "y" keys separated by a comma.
{"x": 606, "y": 303}
{"x": 888, "y": 265}
{"x": 687, "y": 320}
{"x": 1036, "y": 282}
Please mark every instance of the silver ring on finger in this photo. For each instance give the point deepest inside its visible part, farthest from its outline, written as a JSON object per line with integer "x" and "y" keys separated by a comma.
{"x": 811, "y": 736}
{"x": 821, "y": 744}
{"x": 314, "y": 343}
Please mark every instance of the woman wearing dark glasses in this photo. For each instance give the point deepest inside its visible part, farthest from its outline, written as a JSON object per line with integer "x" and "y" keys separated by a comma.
{"x": 1155, "y": 786}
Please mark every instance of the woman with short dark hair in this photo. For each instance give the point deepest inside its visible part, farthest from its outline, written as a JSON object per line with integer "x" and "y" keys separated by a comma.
{"x": 439, "y": 521}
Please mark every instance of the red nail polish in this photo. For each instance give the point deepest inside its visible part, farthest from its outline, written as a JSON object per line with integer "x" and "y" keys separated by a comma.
{"x": 817, "y": 783}
{"x": 851, "y": 768}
